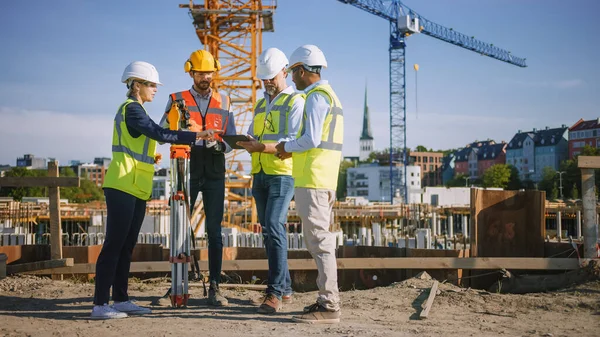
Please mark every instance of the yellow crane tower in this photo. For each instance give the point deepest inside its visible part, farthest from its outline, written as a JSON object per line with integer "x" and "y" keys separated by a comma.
{"x": 232, "y": 30}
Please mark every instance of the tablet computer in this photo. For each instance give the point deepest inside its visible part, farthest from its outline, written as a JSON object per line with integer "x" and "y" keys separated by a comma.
{"x": 231, "y": 140}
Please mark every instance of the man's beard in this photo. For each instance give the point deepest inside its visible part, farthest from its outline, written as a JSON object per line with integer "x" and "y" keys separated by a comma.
{"x": 204, "y": 85}
{"x": 270, "y": 90}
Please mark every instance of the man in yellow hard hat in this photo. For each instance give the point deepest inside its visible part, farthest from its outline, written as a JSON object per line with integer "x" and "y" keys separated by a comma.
{"x": 277, "y": 118}
{"x": 209, "y": 109}
{"x": 316, "y": 155}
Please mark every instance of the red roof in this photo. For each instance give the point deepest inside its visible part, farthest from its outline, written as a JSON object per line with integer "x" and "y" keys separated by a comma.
{"x": 585, "y": 125}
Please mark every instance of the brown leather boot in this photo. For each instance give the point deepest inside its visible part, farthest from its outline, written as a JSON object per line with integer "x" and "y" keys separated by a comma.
{"x": 285, "y": 299}
{"x": 270, "y": 305}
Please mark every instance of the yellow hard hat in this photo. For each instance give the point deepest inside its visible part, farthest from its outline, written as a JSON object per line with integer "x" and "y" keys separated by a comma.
{"x": 201, "y": 60}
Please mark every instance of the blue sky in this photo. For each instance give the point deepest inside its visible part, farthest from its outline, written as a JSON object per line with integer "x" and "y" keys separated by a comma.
{"x": 62, "y": 60}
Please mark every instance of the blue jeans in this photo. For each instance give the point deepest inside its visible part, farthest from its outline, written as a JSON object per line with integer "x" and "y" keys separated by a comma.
{"x": 273, "y": 194}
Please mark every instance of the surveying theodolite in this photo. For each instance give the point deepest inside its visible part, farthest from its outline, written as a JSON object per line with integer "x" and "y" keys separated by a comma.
{"x": 179, "y": 202}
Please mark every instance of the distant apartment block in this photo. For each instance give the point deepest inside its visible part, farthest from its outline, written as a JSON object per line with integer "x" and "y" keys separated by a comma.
{"x": 583, "y": 133}
{"x": 31, "y": 162}
{"x": 94, "y": 172}
{"x": 430, "y": 164}
{"x": 91, "y": 172}
{"x": 489, "y": 156}
{"x": 531, "y": 151}
{"x": 467, "y": 159}
{"x": 447, "y": 168}
{"x": 372, "y": 181}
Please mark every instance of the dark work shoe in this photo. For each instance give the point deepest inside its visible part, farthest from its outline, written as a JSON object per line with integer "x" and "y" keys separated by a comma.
{"x": 270, "y": 305}
{"x": 285, "y": 299}
{"x": 214, "y": 296}
{"x": 316, "y": 314}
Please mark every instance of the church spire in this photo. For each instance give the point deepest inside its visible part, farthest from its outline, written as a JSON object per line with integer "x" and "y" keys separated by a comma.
{"x": 366, "y": 134}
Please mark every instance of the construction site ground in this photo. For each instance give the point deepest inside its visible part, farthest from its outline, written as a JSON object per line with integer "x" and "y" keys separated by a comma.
{"x": 34, "y": 306}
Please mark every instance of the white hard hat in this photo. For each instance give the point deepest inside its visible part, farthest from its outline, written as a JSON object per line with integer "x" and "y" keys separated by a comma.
{"x": 140, "y": 70}
{"x": 309, "y": 55}
{"x": 270, "y": 63}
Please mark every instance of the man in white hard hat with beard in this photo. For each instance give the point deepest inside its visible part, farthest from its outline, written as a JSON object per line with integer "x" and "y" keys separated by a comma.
{"x": 317, "y": 152}
{"x": 276, "y": 119}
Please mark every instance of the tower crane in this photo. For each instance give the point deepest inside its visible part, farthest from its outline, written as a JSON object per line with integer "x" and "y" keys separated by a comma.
{"x": 403, "y": 23}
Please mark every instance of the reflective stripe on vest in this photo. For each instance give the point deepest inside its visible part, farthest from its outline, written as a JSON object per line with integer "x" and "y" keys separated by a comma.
{"x": 281, "y": 108}
{"x": 143, "y": 157}
{"x": 132, "y": 167}
{"x": 319, "y": 167}
{"x": 216, "y": 115}
{"x": 329, "y": 143}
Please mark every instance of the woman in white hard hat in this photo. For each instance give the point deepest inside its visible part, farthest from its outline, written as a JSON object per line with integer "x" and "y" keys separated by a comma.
{"x": 127, "y": 186}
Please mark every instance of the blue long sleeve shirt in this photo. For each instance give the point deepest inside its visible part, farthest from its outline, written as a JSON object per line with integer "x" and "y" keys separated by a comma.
{"x": 139, "y": 123}
{"x": 317, "y": 107}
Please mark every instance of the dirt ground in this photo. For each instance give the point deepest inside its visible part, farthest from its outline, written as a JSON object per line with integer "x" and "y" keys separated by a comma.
{"x": 32, "y": 306}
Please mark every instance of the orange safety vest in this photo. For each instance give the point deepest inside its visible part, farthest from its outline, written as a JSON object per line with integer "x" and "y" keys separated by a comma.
{"x": 216, "y": 116}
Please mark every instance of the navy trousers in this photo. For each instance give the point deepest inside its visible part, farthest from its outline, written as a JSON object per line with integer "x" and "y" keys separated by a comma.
{"x": 125, "y": 214}
{"x": 213, "y": 196}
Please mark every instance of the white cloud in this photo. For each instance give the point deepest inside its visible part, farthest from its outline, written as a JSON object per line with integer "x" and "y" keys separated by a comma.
{"x": 53, "y": 134}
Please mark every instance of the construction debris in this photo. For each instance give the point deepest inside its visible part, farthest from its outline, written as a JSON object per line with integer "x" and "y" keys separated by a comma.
{"x": 429, "y": 303}
{"x": 523, "y": 284}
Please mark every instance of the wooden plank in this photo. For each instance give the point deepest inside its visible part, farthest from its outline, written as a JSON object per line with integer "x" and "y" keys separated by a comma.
{"x": 511, "y": 263}
{"x": 55, "y": 223}
{"x": 590, "y": 222}
{"x": 39, "y": 181}
{"x": 39, "y": 265}
{"x": 592, "y": 162}
{"x": 507, "y": 223}
{"x": 429, "y": 304}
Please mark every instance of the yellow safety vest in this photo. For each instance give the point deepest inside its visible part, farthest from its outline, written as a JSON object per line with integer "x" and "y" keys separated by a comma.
{"x": 132, "y": 167}
{"x": 269, "y": 129}
{"x": 319, "y": 167}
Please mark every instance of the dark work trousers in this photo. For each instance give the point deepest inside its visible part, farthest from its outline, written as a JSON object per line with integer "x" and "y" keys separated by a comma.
{"x": 213, "y": 196}
{"x": 124, "y": 217}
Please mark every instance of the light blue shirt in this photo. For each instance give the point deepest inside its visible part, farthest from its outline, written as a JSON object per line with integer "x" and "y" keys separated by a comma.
{"x": 294, "y": 117}
{"x": 317, "y": 107}
{"x": 202, "y": 101}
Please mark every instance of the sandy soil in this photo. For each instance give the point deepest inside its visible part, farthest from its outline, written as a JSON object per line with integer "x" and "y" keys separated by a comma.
{"x": 32, "y": 306}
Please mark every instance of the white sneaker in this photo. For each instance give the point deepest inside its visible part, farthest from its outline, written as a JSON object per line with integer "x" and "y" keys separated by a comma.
{"x": 131, "y": 308}
{"x": 106, "y": 312}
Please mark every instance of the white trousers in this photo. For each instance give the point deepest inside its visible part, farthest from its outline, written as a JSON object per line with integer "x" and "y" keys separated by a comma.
{"x": 315, "y": 209}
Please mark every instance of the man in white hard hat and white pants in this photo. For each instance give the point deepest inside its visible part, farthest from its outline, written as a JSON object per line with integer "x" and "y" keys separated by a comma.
{"x": 276, "y": 119}
{"x": 317, "y": 152}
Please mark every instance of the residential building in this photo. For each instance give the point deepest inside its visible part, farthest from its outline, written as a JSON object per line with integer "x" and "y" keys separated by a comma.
{"x": 367, "y": 142}
{"x": 31, "y": 162}
{"x": 430, "y": 163}
{"x": 102, "y": 161}
{"x": 531, "y": 151}
{"x": 94, "y": 173}
{"x": 466, "y": 158}
{"x": 161, "y": 184}
{"x": 447, "y": 168}
{"x": 583, "y": 133}
{"x": 373, "y": 181}
{"x": 489, "y": 156}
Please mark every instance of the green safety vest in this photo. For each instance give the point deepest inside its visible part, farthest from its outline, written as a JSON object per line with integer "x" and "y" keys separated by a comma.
{"x": 132, "y": 167}
{"x": 270, "y": 129}
{"x": 319, "y": 167}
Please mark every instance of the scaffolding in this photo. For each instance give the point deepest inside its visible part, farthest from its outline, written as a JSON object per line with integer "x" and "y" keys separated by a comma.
{"x": 232, "y": 30}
